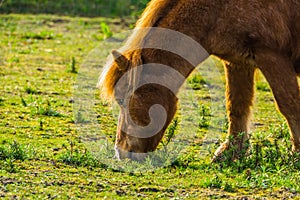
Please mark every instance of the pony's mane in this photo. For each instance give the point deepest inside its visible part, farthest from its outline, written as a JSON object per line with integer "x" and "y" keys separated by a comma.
{"x": 132, "y": 48}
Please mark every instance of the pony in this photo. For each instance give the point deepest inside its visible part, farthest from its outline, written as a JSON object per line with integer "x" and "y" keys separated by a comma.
{"x": 246, "y": 35}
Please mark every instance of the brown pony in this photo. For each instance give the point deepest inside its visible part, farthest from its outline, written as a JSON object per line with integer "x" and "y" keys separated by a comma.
{"x": 247, "y": 35}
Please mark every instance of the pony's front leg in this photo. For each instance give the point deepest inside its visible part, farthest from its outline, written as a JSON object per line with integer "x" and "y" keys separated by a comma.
{"x": 239, "y": 99}
{"x": 282, "y": 77}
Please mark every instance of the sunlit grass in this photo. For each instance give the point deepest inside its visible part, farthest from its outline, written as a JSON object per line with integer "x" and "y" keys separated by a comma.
{"x": 42, "y": 148}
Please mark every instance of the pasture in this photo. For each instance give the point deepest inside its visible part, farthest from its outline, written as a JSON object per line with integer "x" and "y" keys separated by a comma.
{"x": 42, "y": 155}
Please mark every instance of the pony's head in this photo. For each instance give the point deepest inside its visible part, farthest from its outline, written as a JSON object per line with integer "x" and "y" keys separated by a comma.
{"x": 145, "y": 88}
{"x": 146, "y": 107}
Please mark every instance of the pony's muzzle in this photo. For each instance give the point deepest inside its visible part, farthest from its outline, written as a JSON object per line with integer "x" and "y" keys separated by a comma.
{"x": 123, "y": 154}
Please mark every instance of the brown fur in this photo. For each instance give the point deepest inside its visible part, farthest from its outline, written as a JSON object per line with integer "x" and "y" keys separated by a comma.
{"x": 154, "y": 11}
{"x": 263, "y": 34}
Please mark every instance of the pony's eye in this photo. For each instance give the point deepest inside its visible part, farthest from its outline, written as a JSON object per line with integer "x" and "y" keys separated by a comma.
{"x": 120, "y": 101}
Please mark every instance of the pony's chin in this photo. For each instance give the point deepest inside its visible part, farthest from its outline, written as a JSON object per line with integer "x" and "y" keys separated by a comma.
{"x": 123, "y": 154}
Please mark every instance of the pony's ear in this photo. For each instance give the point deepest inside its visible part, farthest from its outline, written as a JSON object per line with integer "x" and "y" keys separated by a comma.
{"x": 122, "y": 62}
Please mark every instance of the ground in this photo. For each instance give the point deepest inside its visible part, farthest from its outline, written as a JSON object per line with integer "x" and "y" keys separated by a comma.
{"x": 41, "y": 150}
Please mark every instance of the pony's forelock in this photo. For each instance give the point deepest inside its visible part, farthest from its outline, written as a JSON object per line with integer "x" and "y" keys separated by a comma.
{"x": 107, "y": 79}
{"x": 111, "y": 74}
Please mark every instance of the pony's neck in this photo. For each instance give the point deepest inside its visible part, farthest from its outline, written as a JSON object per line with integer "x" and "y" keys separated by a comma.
{"x": 193, "y": 20}
{"x": 169, "y": 59}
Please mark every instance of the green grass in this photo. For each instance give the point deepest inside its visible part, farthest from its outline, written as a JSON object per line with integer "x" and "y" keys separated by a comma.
{"x": 43, "y": 154}
{"x": 90, "y": 8}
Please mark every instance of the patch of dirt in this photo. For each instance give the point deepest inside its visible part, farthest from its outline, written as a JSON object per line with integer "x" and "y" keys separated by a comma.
{"x": 7, "y": 181}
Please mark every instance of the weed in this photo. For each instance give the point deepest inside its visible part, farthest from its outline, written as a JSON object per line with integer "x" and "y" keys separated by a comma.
{"x": 1, "y": 101}
{"x": 196, "y": 81}
{"x": 41, "y": 125}
{"x": 14, "y": 60}
{"x": 73, "y": 156}
{"x": 48, "y": 111}
{"x": 265, "y": 154}
{"x": 205, "y": 116}
{"x": 30, "y": 90}
{"x": 215, "y": 182}
{"x": 72, "y": 66}
{"x": 41, "y": 107}
{"x": 43, "y": 35}
{"x": 80, "y": 117}
{"x": 106, "y": 30}
{"x": 77, "y": 158}
{"x": 23, "y": 102}
{"x": 228, "y": 187}
{"x": 10, "y": 166}
{"x": 262, "y": 86}
{"x": 170, "y": 133}
{"x": 14, "y": 151}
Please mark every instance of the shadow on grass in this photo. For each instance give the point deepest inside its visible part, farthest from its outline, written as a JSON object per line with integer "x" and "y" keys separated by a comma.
{"x": 86, "y": 8}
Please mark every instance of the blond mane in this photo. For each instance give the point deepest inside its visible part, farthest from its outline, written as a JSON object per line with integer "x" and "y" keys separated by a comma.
{"x": 151, "y": 15}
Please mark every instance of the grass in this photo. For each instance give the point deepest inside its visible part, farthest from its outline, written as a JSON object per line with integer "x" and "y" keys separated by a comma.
{"x": 44, "y": 155}
{"x": 9, "y": 153}
{"x": 87, "y": 8}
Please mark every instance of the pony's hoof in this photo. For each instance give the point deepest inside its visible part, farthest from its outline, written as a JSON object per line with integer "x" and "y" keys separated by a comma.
{"x": 219, "y": 154}
{"x": 296, "y": 150}
{"x": 230, "y": 151}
